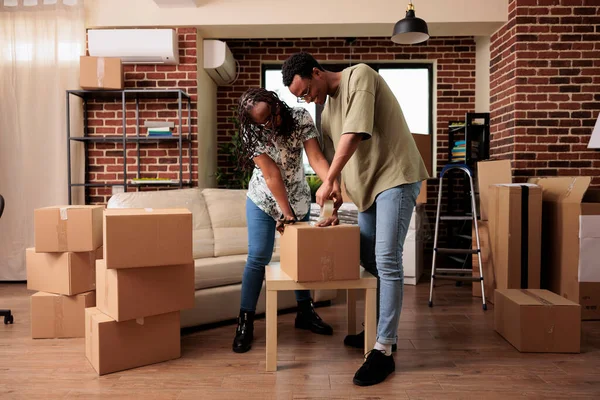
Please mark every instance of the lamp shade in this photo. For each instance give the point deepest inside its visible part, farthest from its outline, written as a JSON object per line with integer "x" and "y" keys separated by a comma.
{"x": 595, "y": 139}
{"x": 410, "y": 30}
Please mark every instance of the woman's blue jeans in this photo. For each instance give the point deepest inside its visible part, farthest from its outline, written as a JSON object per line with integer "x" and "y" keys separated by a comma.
{"x": 261, "y": 240}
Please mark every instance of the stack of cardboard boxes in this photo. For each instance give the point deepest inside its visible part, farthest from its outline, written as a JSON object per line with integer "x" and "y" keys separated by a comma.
{"x": 543, "y": 234}
{"x": 61, "y": 267}
{"x": 144, "y": 280}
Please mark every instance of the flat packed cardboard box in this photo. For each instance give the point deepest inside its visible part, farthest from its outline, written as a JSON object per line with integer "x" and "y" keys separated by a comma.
{"x": 147, "y": 237}
{"x": 314, "y": 254}
{"x": 125, "y": 294}
{"x": 491, "y": 173}
{"x": 515, "y": 227}
{"x": 538, "y": 321}
{"x": 112, "y": 346}
{"x": 68, "y": 228}
{"x": 571, "y": 265}
{"x": 100, "y": 73}
{"x": 66, "y": 273}
{"x": 487, "y": 261}
{"x": 58, "y": 316}
{"x": 412, "y": 255}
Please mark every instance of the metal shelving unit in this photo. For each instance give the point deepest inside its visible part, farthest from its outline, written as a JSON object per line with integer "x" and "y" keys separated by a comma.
{"x": 124, "y": 96}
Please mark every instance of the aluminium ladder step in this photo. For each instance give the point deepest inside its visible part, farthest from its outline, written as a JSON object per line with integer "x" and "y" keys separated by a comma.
{"x": 442, "y": 250}
{"x": 455, "y": 218}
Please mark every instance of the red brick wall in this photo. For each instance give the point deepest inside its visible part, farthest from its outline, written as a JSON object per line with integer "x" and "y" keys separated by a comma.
{"x": 545, "y": 87}
{"x": 455, "y": 74}
{"x": 157, "y": 159}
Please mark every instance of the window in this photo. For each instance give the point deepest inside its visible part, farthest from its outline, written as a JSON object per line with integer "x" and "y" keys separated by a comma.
{"x": 273, "y": 80}
{"x": 412, "y": 84}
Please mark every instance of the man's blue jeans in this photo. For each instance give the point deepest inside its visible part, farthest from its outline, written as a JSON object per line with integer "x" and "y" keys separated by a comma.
{"x": 261, "y": 240}
{"x": 383, "y": 228}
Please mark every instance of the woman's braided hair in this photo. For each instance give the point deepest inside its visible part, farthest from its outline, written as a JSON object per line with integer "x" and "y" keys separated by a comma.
{"x": 252, "y": 134}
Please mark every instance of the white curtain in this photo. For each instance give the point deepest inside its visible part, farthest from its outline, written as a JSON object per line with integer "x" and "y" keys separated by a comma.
{"x": 40, "y": 45}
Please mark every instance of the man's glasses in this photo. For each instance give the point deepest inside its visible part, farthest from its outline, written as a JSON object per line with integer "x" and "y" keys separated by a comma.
{"x": 304, "y": 98}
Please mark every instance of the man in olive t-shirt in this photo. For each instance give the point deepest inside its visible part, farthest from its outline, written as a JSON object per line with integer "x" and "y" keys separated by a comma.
{"x": 382, "y": 169}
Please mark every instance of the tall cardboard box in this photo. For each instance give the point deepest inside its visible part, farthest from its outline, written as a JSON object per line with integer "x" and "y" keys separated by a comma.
{"x": 65, "y": 273}
{"x": 58, "y": 316}
{"x": 131, "y": 293}
{"x": 147, "y": 237}
{"x": 68, "y": 228}
{"x": 571, "y": 266}
{"x": 515, "y": 227}
{"x": 100, "y": 73}
{"x": 112, "y": 346}
{"x": 491, "y": 173}
{"x": 314, "y": 254}
{"x": 539, "y": 321}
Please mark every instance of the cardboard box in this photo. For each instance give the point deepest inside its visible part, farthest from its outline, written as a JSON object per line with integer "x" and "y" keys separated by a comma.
{"x": 125, "y": 294}
{"x": 424, "y": 144}
{"x": 100, "y": 73}
{"x": 58, "y": 316}
{"x": 314, "y": 254}
{"x": 112, "y": 346}
{"x": 487, "y": 261}
{"x": 147, "y": 237}
{"x": 491, "y": 173}
{"x": 515, "y": 228}
{"x": 414, "y": 247}
{"x": 68, "y": 228}
{"x": 538, "y": 321}
{"x": 62, "y": 273}
{"x": 571, "y": 210}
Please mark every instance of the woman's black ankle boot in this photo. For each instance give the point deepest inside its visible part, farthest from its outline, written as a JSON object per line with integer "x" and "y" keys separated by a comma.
{"x": 244, "y": 333}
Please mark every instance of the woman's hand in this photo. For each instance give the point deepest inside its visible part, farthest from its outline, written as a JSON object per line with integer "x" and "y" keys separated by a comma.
{"x": 283, "y": 221}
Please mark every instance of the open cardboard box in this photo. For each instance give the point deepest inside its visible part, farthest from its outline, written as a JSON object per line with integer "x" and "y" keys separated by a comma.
{"x": 571, "y": 241}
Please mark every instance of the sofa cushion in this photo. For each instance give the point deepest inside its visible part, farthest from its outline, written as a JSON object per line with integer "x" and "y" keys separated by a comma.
{"x": 219, "y": 271}
{"x": 192, "y": 199}
{"x": 227, "y": 210}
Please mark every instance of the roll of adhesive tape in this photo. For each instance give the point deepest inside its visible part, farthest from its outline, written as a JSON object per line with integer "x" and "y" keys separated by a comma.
{"x": 327, "y": 209}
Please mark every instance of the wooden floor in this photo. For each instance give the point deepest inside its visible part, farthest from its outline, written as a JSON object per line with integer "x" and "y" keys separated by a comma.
{"x": 448, "y": 352}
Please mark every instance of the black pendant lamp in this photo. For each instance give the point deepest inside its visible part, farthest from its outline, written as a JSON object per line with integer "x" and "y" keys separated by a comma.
{"x": 410, "y": 30}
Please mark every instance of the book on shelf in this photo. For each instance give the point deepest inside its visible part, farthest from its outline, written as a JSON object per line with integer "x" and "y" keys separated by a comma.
{"x": 161, "y": 131}
{"x": 159, "y": 124}
{"x": 152, "y": 181}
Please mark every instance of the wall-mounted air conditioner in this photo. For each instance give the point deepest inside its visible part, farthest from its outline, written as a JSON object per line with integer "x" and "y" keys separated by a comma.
{"x": 219, "y": 62}
{"x": 135, "y": 46}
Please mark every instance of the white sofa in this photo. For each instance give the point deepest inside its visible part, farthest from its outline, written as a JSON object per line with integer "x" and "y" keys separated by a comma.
{"x": 220, "y": 249}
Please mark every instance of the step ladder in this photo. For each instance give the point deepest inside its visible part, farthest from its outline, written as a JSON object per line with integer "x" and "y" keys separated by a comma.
{"x": 456, "y": 274}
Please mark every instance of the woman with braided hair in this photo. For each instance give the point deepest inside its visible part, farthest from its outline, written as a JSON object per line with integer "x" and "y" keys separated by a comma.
{"x": 273, "y": 137}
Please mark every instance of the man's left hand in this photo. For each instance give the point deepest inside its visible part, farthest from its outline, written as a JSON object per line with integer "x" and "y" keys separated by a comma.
{"x": 331, "y": 221}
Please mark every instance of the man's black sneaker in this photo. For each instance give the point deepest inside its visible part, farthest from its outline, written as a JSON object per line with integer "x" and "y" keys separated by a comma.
{"x": 358, "y": 341}
{"x": 375, "y": 369}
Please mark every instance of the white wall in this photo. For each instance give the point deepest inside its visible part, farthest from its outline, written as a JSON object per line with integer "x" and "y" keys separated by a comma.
{"x": 482, "y": 74}
{"x": 312, "y": 18}
{"x": 207, "y": 124}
